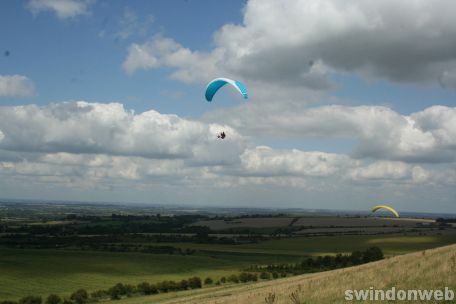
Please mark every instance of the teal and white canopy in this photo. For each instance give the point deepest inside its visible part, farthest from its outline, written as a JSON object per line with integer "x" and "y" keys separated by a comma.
{"x": 217, "y": 83}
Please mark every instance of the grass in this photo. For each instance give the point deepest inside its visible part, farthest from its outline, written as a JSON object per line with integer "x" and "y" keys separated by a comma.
{"x": 430, "y": 269}
{"x": 321, "y": 245}
{"x": 41, "y": 272}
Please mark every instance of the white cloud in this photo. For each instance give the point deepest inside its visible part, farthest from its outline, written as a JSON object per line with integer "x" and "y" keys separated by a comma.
{"x": 16, "y": 86}
{"x": 265, "y": 161}
{"x": 62, "y": 8}
{"x": 104, "y": 148}
{"x": 303, "y": 42}
{"x": 380, "y": 132}
{"x": 130, "y": 24}
{"x": 81, "y": 127}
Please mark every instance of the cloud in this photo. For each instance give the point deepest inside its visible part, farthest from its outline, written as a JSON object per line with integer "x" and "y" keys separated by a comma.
{"x": 379, "y": 132}
{"x": 16, "y": 86}
{"x": 81, "y": 127}
{"x": 265, "y": 161}
{"x": 103, "y": 148}
{"x": 62, "y": 8}
{"x": 130, "y": 25}
{"x": 305, "y": 42}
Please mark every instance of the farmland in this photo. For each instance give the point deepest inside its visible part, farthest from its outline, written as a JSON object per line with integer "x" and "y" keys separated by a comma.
{"x": 44, "y": 251}
{"x": 430, "y": 269}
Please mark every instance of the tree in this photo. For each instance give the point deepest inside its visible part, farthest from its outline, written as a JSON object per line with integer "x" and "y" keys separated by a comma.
{"x": 194, "y": 283}
{"x": 147, "y": 289}
{"x": 372, "y": 254}
{"x": 244, "y": 277}
{"x": 208, "y": 281}
{"x": 53, "y": 299}
{"x": 80, "y": 296}
{"x": 233, "y": 278}
{"x": 183, "y": 285}
{"x": 31, "y": 300}
{"x": 265, "y": 276}
{"x": 356, "y": 257}
{"x": 116, "y": 291}
{"x": 98, "y": 294}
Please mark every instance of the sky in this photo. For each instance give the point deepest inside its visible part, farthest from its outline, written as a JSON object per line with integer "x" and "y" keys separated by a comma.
{"x": 351, "y": 103}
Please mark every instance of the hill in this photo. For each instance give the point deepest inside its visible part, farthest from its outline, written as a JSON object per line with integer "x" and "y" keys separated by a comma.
{"x": 429, "y": 269}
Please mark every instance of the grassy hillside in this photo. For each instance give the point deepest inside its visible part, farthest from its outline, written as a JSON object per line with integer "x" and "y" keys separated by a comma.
{"x": 41, "y": 272}
{"x": 430, "y": 269}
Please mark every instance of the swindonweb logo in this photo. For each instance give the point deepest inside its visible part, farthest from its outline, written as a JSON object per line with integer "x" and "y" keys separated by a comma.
{"x": 394, "y": 294}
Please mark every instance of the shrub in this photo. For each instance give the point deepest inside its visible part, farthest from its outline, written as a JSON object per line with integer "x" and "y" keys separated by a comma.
{"x": 145, "y": 288}
{"x": 194, "y": 282}
{"x": 53, "y": 299}
{"x": 233, "y": 278}
{"x": 265, "y": 276}
{"x": 183, "y": 285}
{"x": 208, "y": 281}
{"x": 116, "y": 291}
{"x": 31, "y": 300}
{"x": 99, "y": 294}
{"x": 80, "y": 296}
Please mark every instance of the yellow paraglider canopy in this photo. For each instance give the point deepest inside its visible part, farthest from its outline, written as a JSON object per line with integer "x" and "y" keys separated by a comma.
{"x": 375, "y": 208}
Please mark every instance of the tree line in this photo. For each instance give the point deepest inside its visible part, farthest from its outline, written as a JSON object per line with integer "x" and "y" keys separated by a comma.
{"x": 322, "y": 263}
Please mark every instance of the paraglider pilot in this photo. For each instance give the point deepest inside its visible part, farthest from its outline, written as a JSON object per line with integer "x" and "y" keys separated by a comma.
{"x": 221, "y": 135}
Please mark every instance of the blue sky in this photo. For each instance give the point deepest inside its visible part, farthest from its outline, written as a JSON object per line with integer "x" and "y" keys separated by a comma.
{"x": 79, "y": 58}
{"x": 104, "y": 101}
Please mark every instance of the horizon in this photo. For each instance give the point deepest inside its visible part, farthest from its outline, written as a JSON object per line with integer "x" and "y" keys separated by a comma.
{"x": 350, "y": 104}
{"x": 348, "y": 212}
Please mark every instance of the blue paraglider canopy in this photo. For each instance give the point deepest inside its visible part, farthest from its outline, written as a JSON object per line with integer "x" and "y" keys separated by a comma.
{"x": 217, "y": 83}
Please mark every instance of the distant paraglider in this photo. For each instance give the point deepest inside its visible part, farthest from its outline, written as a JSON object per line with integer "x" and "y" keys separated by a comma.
{"x": 217, "y": 83}
{"x": 375, "y": 208}
{"x": 221, "y": 135}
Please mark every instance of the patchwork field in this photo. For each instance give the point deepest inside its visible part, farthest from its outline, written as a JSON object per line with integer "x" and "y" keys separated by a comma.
{"x": 430, "y": 269}
{"x": 41, "y": 272}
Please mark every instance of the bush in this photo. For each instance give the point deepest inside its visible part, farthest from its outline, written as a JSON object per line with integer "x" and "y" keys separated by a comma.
{"x": 129, "y": 289}
{"x": 223, "y": 280}
{"x": 265, "y": 276}
{"x": 163, "y": 286}
{"x": 183, "y": 285}
{"x": 117, "y": 291}
{"x": 99, "y": 294}
{"x": 208, "y": 281}
{"x": 80, "y": 296}
{"x": 275, "y": 275}
{"x": 233, "y": 278}
{"x": 248, "y": 277}
{"x": 143, "y": 288}
{"x": 31, "y": 300}
{"x": 372, "y": 254}
{"x": 194, "y": 283}
{"x": 53, "y": 299}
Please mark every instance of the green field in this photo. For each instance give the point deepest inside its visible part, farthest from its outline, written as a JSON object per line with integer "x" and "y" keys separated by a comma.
{"x": 40, "y": 272}
{"x": 429, "y": 270}
{"x": 321, "y": 245}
